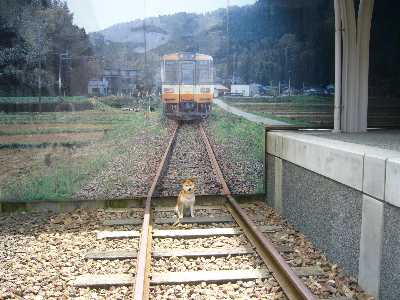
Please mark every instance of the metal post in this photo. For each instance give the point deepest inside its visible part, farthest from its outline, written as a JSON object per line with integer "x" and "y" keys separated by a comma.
{"x": 59, "y": 75}
{"x": 40, "y": 69}
{"x": 279, "y": 88}
{"x": 145, "y": 46}
{"x": 40, "y": 82}
{"x": 229, "y": 65}
{"x": 59, "y": 71}
{"x": 338, "y": 67}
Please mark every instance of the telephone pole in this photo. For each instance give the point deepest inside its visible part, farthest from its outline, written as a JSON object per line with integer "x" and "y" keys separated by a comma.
{"x": 61, "y": 55}
{"x": 229, "y": 68}
{"x": 145, "y": 46}
{"x": 40, "y": 43}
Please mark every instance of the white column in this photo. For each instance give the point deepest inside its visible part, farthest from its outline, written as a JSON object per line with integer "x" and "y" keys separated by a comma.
{"x": 355, "y": 63}
{"x": 363, "y": 41}
{"x": 338, "y": 66}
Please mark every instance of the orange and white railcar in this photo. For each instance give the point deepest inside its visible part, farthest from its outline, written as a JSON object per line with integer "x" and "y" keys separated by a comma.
{"x": 187, "y": 85}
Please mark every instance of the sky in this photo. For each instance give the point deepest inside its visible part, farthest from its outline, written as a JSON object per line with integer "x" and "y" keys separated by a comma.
{"x": 96, "y": 15}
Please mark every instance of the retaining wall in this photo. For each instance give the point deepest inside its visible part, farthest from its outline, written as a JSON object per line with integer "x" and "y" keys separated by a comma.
{"x": 344, "y": 197}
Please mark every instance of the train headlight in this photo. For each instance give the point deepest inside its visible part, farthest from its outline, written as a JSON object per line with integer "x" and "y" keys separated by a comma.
{"x": 169, "y": 90}
{"x": 204, "y": 90}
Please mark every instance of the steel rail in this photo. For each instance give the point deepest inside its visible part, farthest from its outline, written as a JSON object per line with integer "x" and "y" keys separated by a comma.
{"x": 142, "y": 281}
{"x": 290, "y": 283}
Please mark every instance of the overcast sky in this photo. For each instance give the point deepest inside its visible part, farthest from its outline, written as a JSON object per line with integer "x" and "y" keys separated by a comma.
{"x": 95, "y": 15}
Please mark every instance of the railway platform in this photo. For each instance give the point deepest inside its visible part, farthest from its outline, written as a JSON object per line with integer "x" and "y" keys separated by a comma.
{"x": 342, "y": 191}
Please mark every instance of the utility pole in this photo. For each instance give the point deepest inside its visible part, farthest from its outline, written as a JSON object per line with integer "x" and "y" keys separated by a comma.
{"x": 145, "y": 83}
{"x": 40, "y": 81}
{"x": 59, "y": 70}
{"x": 279, "y": 88}
{"x": 39, "y": 47}
{"x": 229, "y": 67}
{"x": 145, "y": 46}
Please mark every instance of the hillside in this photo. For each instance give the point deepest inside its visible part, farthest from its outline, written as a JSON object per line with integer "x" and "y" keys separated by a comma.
{"x": 159, "y": 30}
{"x": 268, "y": 41}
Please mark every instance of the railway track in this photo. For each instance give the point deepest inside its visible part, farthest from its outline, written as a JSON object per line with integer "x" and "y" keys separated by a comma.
{"x": 229, "y": 244}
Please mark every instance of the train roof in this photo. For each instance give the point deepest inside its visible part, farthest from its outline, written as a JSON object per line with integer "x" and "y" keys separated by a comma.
{"x": 186, "y": 56}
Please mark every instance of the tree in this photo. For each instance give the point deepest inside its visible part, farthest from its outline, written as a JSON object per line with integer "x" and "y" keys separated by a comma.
{"x": 32, "y": 36}
{"x": 33, "y": 30}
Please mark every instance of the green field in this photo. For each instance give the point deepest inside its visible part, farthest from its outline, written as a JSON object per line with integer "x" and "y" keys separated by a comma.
{"x": 76, "y": 99}
{"x": 295, "y": 110}
{"x": 54, "y": 156}
{"x": 242, "y": 140}
{"x": 56, "y": 168}
{"x": 298, "y": 99}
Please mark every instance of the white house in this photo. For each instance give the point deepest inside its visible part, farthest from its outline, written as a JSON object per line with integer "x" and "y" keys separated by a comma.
{"x": 98, "y": 87}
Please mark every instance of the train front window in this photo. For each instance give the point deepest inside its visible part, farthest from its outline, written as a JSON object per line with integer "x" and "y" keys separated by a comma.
{"x": 203, "y": 72}
{"x": 171, "y": 72}
{"x": 187, "y": 73}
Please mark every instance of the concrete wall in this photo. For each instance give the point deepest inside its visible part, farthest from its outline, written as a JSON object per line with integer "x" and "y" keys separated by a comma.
{"x": 345, "y": 198}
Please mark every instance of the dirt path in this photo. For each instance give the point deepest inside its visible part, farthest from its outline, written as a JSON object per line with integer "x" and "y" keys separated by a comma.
{"x": 246, "y": 115}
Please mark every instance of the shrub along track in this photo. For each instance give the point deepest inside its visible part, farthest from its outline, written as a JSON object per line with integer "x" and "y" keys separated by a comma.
{"x": 219, "y": 246}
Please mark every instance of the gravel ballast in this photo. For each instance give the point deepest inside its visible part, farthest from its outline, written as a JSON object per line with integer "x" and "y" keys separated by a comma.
{"x": 41, "y": 254}
{"x": 131, "y": 173}
{"x": 236, "y": 144}
{"x": 189, "y": 159}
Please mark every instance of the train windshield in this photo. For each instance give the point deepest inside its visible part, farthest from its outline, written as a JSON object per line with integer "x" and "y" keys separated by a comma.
{"x": 171, "y": 72}
{"x": 204, "y": 74}
{"x": 187, "y": 73}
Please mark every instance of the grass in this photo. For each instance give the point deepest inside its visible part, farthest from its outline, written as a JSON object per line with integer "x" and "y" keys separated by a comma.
{"x": 283, "y": 119}
{"x": 17, "y": 100}
{"x": 292, "y": 104}
{"x": 228, "y": 126}
{"x": 297, "y": 99}
{"x": 84, "y": 117}
{"x": 245, "y": 137}
{"x": 31, "y": 145}
{"x": 57, "y": 183}
{"x": 61, "y": 180}
{"x": 49, "y": 131}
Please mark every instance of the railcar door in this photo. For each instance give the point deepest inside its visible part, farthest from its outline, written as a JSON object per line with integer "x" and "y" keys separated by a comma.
{"x": 187, "y": 86}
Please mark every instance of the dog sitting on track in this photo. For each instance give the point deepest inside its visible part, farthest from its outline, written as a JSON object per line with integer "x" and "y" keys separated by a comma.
{"x": 186, "y": 199}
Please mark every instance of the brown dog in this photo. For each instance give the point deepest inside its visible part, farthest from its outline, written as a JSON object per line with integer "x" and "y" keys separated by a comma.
{"x": 186, "y": 198}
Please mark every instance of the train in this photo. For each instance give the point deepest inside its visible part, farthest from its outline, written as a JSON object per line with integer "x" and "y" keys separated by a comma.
{"x": 187, "y": 85}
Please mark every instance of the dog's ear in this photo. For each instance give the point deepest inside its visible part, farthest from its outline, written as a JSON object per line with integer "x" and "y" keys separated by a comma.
{"x": 194, "y": 180}
{"x": 182, "y": 181}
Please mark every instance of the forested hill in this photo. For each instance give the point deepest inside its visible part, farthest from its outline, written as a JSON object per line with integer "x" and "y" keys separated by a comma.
{"x": 33, "y": 34}
{"x": 267, "y": 40}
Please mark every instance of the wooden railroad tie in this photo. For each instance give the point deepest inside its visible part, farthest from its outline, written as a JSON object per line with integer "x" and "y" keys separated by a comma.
{"x": 163, "y": 221}
{"x": 182, "y": 233}
{"x": 204, "y": 252}
{"x": 172, "y": 208}
{"x": 188, "y": 277}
